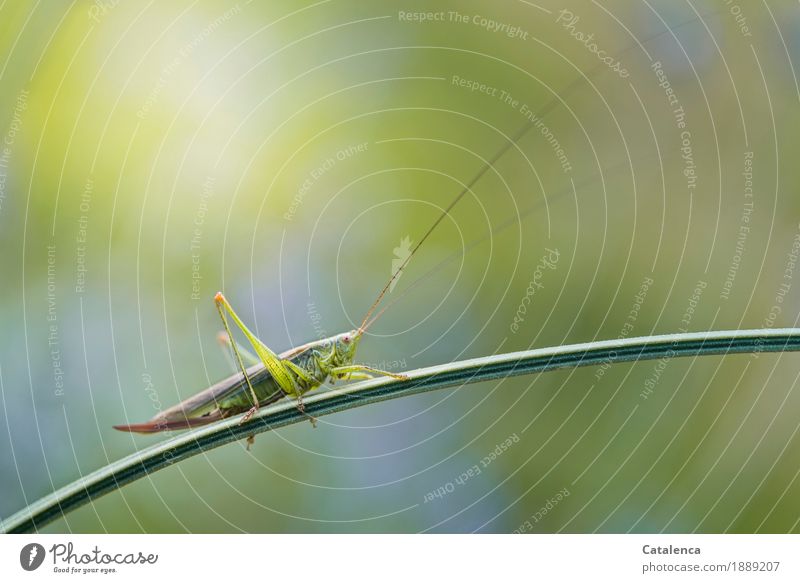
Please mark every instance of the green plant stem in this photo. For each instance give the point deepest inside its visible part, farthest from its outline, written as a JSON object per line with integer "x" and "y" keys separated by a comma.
{"x": 190, "y": 443}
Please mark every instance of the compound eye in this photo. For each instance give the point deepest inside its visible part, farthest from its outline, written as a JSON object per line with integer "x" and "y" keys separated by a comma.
{"x": 346, "y": 339}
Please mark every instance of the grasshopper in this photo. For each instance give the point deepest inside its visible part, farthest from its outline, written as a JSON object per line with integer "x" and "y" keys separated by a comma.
{"x": 293, "y": 373}
{"x": 289, "y": 374}
{"x": 298, "y": 370}
{"x": 273, "y": 376}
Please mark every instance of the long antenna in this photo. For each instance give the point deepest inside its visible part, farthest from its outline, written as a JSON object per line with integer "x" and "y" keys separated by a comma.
{"x": 571, "y": 88}
{"x": 499, "y": 154}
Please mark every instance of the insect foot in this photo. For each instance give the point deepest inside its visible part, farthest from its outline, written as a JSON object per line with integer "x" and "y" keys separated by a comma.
{"x": 248, "y": 415}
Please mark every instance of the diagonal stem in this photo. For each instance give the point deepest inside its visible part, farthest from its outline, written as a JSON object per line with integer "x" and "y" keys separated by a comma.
{"x": 151, "y": 459}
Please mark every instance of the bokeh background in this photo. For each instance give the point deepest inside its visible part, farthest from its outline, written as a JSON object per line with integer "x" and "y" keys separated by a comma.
{"x": 156, "y": 152}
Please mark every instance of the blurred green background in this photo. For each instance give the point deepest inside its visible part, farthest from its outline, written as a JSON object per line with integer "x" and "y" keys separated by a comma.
{"x": 154, "y": 153}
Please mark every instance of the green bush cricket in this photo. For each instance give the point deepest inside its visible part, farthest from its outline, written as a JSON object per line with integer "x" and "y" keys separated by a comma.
{"x": 289, "y": 374}
{"x": 296, "y": 371}
{"x": 301, "y": 369}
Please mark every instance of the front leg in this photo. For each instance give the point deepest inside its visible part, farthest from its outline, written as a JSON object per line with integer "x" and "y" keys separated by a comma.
{"x": 351, "y": 376}
{"x": 363, "y": 371}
